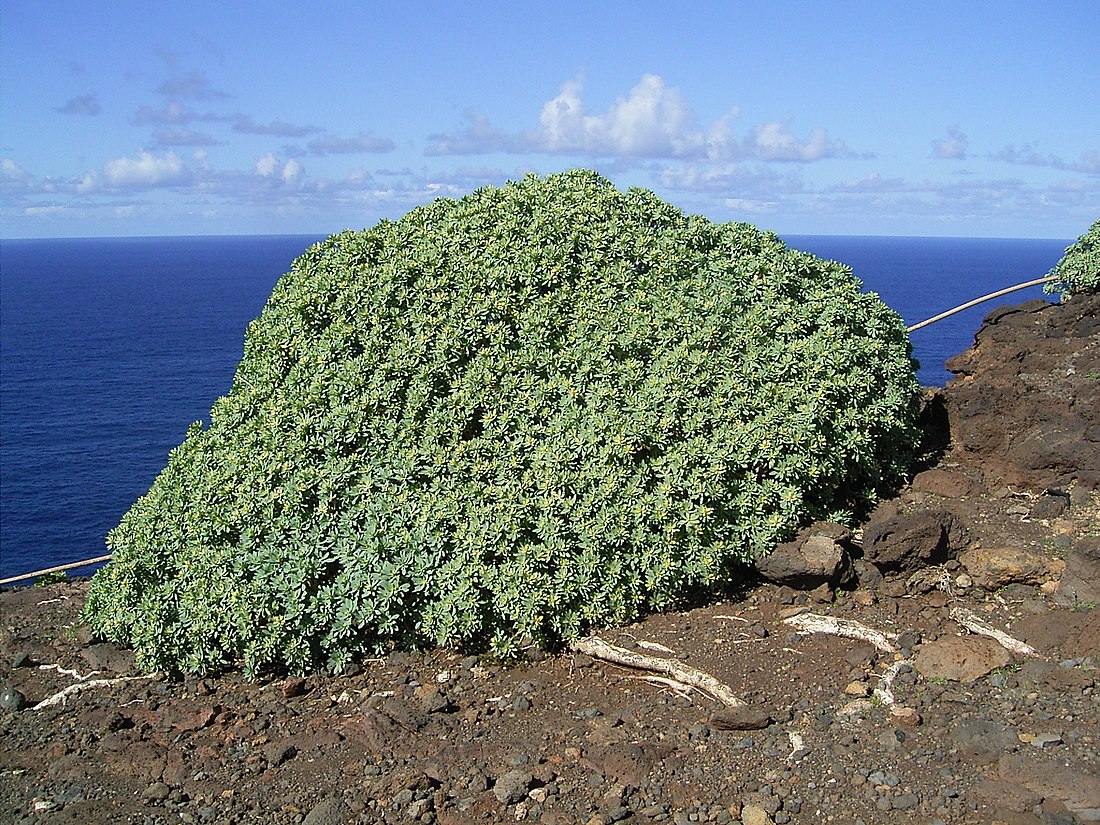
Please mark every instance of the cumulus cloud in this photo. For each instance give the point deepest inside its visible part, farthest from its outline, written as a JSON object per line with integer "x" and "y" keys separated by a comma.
{"x": 279, "y": 128}
{"x": 193, "y": 86}
{"x": 361, "y": 143}
{"x": 292, "y": 172}
{"x": 146, "y": 170}
{"x": 654, "y": 120}
{"x": 274, "y": 171}
{"x": 82, "y": 105}
{"x": 952, "y": 147}
{"x": 772, "y": 141}
{"x": 10, "y": 170}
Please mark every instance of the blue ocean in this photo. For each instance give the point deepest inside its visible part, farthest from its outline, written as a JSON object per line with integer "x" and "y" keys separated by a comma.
{"x": 110, "y": 348}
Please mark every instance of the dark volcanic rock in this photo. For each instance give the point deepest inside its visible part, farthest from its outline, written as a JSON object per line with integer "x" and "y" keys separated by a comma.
{"x": 905, "y": 542}
{"x": 745, "y": 717}
{"x": 1024, "y": 396}
{"x": 816, "y": 557}
{"x": 1081, "y": 579}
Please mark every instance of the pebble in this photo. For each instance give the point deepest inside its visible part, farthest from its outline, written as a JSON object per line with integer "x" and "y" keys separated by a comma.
{"x": 754, "y": 814}
{"x": 743, "y": 717}
{"x": 512, "y": 787}
{"x": 12, "y": 699}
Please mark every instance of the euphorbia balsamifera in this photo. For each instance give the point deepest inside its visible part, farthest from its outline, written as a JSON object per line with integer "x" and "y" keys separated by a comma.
{"x": 1078, "y": 270}
{"x": 542, "y": 408}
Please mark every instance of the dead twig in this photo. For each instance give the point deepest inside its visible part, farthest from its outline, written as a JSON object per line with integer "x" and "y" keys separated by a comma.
{"x": 599, "y": 649}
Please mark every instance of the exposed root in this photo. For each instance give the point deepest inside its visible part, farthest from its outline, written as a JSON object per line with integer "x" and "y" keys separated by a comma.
{"x": 656, "y": 648}
{"x": 816, "y": 623}
{"x": 61, "y": 697}
{"x": 66, "y": 672}
{"x": 679, "y": 688}
{"x": 975, "y": 625}
{"x": 883, "y": 692}
{"x": 599, "y": 649}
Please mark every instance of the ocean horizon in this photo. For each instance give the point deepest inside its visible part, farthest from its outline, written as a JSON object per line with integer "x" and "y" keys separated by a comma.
{"x": 111, "y": 347}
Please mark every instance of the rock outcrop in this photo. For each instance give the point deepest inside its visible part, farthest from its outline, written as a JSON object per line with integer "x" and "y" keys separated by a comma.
{"x": 1024, "y": 397}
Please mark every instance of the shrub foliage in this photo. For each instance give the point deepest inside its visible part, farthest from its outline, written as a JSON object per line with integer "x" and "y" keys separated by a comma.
{"x": 1079, "y": 268}
{"x": 541, "y": 408}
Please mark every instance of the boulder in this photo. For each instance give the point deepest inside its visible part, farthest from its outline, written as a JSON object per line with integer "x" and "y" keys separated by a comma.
{"x": 816, "y": 557}
{"x": 995, "y": 567}
{"x": 960, "y": 659}
{"x": 906, "y": 542}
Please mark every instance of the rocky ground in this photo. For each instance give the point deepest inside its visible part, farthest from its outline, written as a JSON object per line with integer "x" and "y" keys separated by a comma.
{"x": 933, "y": 719}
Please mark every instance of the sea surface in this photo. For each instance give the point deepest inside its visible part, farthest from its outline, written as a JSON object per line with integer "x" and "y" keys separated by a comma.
{"x": 110, "y": 348}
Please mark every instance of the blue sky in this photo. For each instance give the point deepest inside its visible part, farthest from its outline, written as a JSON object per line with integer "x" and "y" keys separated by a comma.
{"x": 932, "y": 118}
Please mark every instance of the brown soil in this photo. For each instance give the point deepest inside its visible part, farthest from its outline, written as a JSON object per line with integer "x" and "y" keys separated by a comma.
{"x": 441, "y": 738}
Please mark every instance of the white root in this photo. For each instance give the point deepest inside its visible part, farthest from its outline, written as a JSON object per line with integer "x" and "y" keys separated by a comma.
{"x": 679, "y": 688}
{"x": 599, "y": 649}
{"x": 73, "y": 673}
{"x": 975, "y": 625}
{"x": 816, "y": 623}
{"x": 656, "y": 648}
{"x": 883, "y": 692}
{"x": 62, "y": 696}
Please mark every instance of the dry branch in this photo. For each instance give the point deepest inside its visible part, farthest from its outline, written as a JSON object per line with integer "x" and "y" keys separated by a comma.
{"x": 599, "y": 649}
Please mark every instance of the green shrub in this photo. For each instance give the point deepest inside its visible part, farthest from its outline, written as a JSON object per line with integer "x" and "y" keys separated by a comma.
{"x": 1079, "y": 268}
{"x": 542, "y": 408}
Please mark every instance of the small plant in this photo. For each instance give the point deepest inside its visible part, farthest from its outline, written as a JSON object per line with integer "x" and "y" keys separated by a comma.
{"x": 1079, "y": 268}
{"x": 51, "y": 578}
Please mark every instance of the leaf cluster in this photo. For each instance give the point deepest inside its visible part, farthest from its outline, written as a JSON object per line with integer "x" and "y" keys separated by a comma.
{"x": 1078, "y": 270}
{"x": 542, "y": 408}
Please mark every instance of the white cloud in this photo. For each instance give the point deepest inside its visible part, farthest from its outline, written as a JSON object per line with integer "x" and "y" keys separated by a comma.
{"x": 271, "y": 169}
{"x": 952, "y": 147}
{"x": 146, "y": 170}
{"x": 653, "y": 120}
{"x": 12, "y": 170}
{"x": 266, "y": 166}
{"x": 292, "y": 172}
{"x": 89, "y": 184}
{"x": 771, "y": 141}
